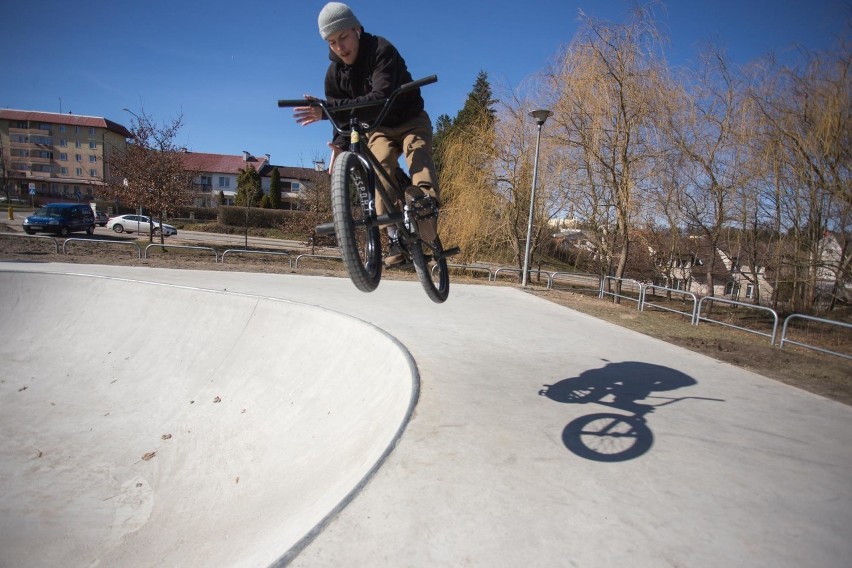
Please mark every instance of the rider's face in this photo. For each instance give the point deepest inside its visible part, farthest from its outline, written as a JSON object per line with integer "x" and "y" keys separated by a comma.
{"x": 345, "y": 45}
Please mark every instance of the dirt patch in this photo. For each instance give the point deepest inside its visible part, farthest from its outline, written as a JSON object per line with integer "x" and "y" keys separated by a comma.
{"x": 823, "y": 374}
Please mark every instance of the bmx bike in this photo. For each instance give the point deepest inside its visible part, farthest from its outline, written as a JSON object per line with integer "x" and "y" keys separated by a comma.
{"x": 354, "y": 184}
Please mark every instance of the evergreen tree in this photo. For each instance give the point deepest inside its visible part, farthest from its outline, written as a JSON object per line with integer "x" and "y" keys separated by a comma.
{"x": 249, "y": 190}
{"x": 477, "y": 107}
{"x": 480, "y": 102}
{"x": 275, "y": 189}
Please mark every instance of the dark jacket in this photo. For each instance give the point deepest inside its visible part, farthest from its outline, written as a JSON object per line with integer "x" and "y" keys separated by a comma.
{"x": 377, "y": 71}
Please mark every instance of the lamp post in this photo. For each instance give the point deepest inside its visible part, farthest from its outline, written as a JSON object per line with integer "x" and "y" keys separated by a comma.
{"x": 540, "y": 117}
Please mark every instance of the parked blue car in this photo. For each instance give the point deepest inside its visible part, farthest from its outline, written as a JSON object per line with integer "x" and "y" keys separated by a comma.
{"x": 61, "y": 218}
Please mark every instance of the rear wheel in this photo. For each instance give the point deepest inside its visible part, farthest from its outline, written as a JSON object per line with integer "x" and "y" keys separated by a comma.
{"x": 63, "y": 231}
{"x": 432, "y": 273}
{"x": 90, "y": 230}
{"x": 360, "y": 244}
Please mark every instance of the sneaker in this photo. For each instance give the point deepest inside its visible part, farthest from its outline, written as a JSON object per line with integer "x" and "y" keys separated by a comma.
{"x": 395, "y": 256}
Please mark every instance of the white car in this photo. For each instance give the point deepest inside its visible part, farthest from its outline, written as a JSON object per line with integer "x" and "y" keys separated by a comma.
{"x": 138, "y": 224}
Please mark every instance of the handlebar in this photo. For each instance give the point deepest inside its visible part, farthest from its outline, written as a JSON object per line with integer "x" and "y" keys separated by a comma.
{"x": 321, "y": 103}
{"x": 385, "y": 103}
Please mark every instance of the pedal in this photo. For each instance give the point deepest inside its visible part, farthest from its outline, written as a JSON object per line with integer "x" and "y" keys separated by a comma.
{"x": 423, "y": 207}
{"x": 451, "y": 252}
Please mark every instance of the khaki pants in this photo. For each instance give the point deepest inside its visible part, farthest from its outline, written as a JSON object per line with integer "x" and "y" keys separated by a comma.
{"x": 412, "y": 139}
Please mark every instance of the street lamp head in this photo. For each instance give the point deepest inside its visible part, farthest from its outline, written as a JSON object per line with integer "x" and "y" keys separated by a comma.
{"x": 540, "y": 116}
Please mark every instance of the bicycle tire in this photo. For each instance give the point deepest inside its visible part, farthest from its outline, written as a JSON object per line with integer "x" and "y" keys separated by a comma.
{"x": 607, "y": 437}
{"x": 360, "y": 243}
{"x": 433, "y": 275}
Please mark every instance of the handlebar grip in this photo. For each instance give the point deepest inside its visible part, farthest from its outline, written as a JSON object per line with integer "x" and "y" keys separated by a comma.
{"x": 418, "y": 83}
{"x": 297, "y": 103}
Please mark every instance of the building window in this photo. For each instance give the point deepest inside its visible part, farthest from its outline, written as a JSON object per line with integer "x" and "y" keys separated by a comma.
{"x": 93, "y": 144}
{"x": 63, "y": 156}
{"x": 92, "y": 131}
{"x": 93, "y": 159}
{"x": 93, "y": 172}
{"x": 63, "y": 142}
{"x": 77, "y": 144}
{"x": 62, "y": 128}
{"x": 63, "y": 170}
{"x": 76, "y": 130}
{"x": 79, "y": 172}
{"x": 79, "y": 157}
{"x": 224, "y": 181}
{"x": 750, "y": 291}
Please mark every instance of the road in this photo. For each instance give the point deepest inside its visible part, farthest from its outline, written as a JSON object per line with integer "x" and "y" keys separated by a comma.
{"x": 183, "y": 237}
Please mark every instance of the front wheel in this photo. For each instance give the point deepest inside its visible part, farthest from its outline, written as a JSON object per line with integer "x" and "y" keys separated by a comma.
{"x": 118, "y": 228}
{"x": 433, "y": 274}
{"x": 359, "y": 240}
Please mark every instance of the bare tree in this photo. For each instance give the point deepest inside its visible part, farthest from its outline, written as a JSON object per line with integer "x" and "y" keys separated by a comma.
{"x": 707, "y": 130}
{"x": 605, "y": 86}
{"x": 315, "y": 202}
{"x": 149, "y": 172}
{"x": 808, "y": 122}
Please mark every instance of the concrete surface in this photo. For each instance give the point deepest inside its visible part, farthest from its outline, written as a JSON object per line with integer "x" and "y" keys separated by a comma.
{"x": 541, "y": 436}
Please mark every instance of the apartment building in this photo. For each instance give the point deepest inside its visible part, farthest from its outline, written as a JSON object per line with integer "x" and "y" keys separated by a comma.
{"x": 59, "y": 157}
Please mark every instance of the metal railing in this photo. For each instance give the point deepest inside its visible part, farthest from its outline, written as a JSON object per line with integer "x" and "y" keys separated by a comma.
{"x": 473, "y": 267}
{"x": 709, "y": 299}
{"x": 154, "y": 245}
{"x": 520, "y": 271}
{"x": 100, "y": 242}
{"x": 620, "y": 285}
{"x": 250, "y": 251}
{"x": 581, "y": 280}
{"x": 25, "y": 236}
{"x": 653, "y": 289}
{"x": 807, "y": 345}
{"x": 325, "y": 256}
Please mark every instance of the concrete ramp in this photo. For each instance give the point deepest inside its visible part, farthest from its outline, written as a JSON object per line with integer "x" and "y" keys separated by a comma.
{"x": 156, "y": 425}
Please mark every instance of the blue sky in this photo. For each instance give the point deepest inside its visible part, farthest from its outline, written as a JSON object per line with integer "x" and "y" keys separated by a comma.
{"x": 223, "y": 65}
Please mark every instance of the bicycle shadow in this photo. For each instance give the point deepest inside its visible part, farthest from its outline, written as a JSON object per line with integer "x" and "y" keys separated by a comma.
{"x": 611, "y": 437}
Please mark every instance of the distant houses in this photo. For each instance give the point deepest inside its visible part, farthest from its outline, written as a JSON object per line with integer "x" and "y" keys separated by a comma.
{"x": 765, "y": 272}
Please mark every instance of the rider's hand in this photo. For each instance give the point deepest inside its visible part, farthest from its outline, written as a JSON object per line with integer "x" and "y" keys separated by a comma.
{"x": 307, "y": 114}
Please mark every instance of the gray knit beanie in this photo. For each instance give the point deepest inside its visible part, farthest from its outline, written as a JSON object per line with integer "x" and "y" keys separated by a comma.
{"x": 336, "y": 17}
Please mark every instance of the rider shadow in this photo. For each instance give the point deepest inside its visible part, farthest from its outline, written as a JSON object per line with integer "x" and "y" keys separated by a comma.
{"x": 611, "y": 437}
